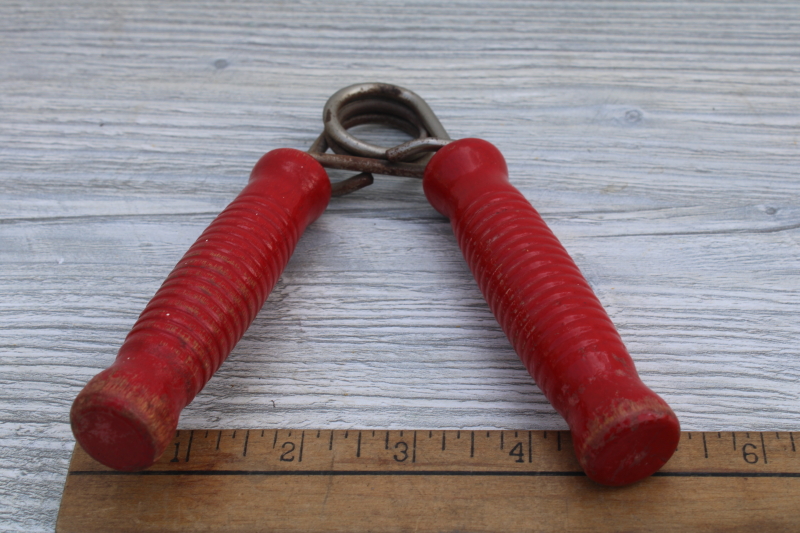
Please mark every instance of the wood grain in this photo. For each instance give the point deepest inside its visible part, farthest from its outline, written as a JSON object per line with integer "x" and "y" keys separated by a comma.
{"x": 409, "y": 480}
{"x": 658, "y": 139}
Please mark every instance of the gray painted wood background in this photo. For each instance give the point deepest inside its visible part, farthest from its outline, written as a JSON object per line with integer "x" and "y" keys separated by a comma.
{"x": 658, "y": 139}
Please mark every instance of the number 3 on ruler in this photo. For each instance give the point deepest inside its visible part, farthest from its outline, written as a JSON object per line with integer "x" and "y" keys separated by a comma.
{"x": 403, "y": 449}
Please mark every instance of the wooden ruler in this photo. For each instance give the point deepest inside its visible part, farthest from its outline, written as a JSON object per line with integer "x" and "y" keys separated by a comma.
{"x": 349, "y": 481}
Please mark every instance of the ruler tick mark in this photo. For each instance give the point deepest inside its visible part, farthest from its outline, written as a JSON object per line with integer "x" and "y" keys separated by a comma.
{"x": 219, "y": 438}
{"x": 275, "y": 440}
{"x": 733, "y": 434}
{"x": 690, "y": 436}
{"x": 330, "y": 444}
{"x": 791, "y": 438}
{"x": 530, "y": 447}
{"x": 386, "y": 445}
{"x": 318, "y": 432}
{"x": 472, "y": 444}
{"x": 443, "y": 437}
{"x": 246, "y": 439}
{"x": 458, "y": 434}
{"x": 705, "y": 446}
{"x": 189, "y": 446}
{"x": 763, "y": 447}
{"x": 262, "y": 432}
{"x": 234, "y": 434}
{"x": 501, "y": 440}
{"x": 358, "y": 449}
{"x": 544, "y": 434}
{"x": 414, "y": 450}
{"x": 302, "y": 440}
{"x": 558, "y": 440}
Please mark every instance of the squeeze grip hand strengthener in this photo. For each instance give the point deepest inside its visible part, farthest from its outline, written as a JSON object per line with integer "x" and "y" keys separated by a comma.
{"x": 622, "y": 431}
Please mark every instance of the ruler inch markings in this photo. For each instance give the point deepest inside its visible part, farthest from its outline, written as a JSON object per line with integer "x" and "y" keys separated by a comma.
{"x": 478, "y": 473}
{"x": 472, "y": 444}
{"x": 397, "y": 480}
{"x": 302, "y": 442}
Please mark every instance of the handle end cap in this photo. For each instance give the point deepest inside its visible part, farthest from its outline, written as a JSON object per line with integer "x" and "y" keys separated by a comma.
{"x": 114, "y": 439}
{"x": 124, "y": 423}
{"x": 632, "y": 447}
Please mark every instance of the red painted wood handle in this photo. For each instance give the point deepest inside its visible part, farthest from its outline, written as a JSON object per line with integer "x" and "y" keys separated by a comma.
{"x": 622, "y": 431}
{"x": 126, "y": 416}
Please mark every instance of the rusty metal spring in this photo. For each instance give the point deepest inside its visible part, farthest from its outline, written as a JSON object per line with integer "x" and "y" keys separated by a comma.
{"x": 376, "y": 103}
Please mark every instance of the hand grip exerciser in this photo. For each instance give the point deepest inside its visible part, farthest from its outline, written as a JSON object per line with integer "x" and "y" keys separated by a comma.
{"x": 622, "y": 431}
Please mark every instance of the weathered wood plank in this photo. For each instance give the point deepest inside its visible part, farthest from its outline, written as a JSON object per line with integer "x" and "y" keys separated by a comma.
{"x": 659, "y": 139}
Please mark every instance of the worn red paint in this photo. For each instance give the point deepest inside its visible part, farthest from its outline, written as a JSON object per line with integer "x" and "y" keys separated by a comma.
{"x": 126, "y": 416}
{"x": 622, "y": 431}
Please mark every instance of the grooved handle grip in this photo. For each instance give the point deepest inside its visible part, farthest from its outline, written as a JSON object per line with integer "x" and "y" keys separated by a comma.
{"x": 126, "y": 415}
{"x": 622, "y": 431}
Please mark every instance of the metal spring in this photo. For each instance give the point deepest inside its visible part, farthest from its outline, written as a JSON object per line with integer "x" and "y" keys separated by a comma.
{"x": 376, "y": 103}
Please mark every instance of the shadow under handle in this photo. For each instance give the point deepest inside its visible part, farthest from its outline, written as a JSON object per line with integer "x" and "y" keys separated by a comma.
{"x": 127, "y": 415}
{"x": 622, "y": 431}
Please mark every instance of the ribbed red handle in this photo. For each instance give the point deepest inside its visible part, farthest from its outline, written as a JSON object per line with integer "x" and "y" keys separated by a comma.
{"x": 622, "y": 431}
{"x": 126, "y": 415}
